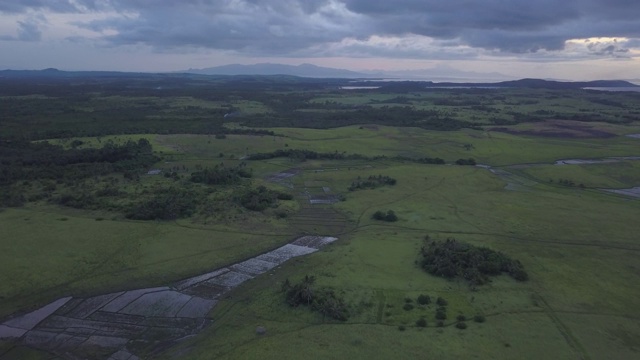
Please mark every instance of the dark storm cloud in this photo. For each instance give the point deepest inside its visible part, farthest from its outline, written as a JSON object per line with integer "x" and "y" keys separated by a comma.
{"x": 283, "y": 27}
{"x": 511, "y": 26}
{"x": 251, "y": 26}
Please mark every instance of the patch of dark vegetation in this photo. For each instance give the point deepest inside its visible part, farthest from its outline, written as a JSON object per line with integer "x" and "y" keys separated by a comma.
{"x": 461, "y": 325}
{"x": 372, "y": 182}
{"x": 479, "y": 318}
{"x": 389, "y": 216}
{"x": 32, "y": 172}
{"x": 424, "y": 299}
{"x": 425, "y": 160}
{"x": 569, "y": 182}
{"x": 24, "y": 160}
{"x": 164, "y": 204}
{"x": 407, "y": 307}
{"x": 221, "y": 175}
{"x": 303, "y": 155}
{"x": 422, "y": 322}
{"x": 453, "y": 259}
{"x": 323, "y": 300}
{"x": 260, "y": 198}
{"x": 469, "y": 161}
{"x": 441, "y": 313}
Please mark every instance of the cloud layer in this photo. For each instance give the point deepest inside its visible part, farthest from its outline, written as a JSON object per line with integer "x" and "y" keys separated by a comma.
{"x": 306, "y": 28}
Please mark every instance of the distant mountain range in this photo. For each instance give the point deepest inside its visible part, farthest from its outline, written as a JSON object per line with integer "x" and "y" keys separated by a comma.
{"x": 312, "y": 71}
{"x": 303, "y": 70}
{"x": 440, "y": 73}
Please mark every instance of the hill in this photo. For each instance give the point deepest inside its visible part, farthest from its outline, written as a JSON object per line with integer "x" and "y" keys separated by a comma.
{"x": 303, "y": 70}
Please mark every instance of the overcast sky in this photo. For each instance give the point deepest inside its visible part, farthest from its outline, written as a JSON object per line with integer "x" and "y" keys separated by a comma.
{"x": 564, "y": 39}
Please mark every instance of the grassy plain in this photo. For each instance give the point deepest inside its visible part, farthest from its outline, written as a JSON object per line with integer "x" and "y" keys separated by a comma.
{"x": 579, "y": 246}
{"x": 48, "y": 254}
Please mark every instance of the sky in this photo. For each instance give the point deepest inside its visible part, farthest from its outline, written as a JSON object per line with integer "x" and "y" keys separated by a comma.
{"x": 559, "y": 39}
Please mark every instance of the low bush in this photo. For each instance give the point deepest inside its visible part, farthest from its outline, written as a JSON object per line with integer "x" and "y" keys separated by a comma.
{"x": 479, "y": 318}
{"x": 424, "y": 299}
{"x": 389, "y": 216}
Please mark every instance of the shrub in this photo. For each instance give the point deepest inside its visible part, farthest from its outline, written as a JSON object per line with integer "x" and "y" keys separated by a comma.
{"x": 389, "y": 216}
{"x": 461, "y": 325}
{"x": 324, "y": 300}
{"x": 424, "y": 300}
{"x": 421, "y": 322}
{"x": 441, "y": 301}
{"x": 407, "y": 307}
{"x": 479, "y": 318}
{"x": 402, "y": 328}
{"x": 441, "y": 315}
{"x": 461, "y": 317}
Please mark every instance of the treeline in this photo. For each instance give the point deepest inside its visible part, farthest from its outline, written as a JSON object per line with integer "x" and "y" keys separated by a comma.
{"x": 389, "y": 216}
{"x": 167, "y": 203}
{"x": 23, "y": 160}
{"x": 221, "y": 175}
{"x": 387, "y": 115}
{"x": 453, "y": 259}
{"x": 469, "y": 161}
{"x": 260, "y": 198}
{"x": 372, "y": 182}
{"x": 303, "y": 155}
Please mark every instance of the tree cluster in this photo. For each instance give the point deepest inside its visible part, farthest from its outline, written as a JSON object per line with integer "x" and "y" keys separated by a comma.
{"x": 221, "y": 175}
{"x": 469, "y": 161}
{"x": 260, "y": 198}
{"x": 164, "y": 204}
{"x": 452, "y": 259}
{"x": 389, "y": 216}
{"x": 372, "y": 182}
{"x": 304, "y": 154}
{"x": 24, "y": 160}
{"x": 323, "y": 300}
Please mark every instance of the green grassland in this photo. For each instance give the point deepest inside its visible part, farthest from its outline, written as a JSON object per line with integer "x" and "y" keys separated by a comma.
{"x": 579, "y": 249}
{"x": 488, "y": 147}
{"x": 579, "y": 245}
{"x": 47, "y": 254}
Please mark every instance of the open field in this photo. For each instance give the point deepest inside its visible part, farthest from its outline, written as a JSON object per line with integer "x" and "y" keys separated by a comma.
{"x": 581, "y": 267}
{"x": 76, "y": 234}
